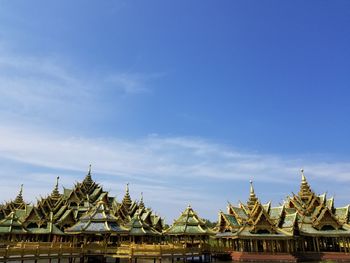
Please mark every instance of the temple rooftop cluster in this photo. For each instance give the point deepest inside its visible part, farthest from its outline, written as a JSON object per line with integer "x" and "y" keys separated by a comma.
{"x": 305, "y": 222}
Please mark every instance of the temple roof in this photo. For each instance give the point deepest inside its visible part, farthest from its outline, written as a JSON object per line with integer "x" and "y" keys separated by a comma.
{"x": 141, "y": 203}
{"x": 127, "y": 199}
{"x": 12, "y": 225}
{"x": 55, "y": 195}
{"x": 189, "y": 224}
{"x": 97, "y": 221}
{"x": 305, "y": 191}
{"x": 137, "y": 227}
{"x": 252, "y": 197}
{"x": 49, "y": 228}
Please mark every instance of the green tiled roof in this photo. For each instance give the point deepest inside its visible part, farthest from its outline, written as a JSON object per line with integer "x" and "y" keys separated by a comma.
{"x": 308, "y": 229}
{"x": 98, "y": 220}
{"x": 231, "y": 219}
{"x": 12, "y": 225}
{"x": 289, "y": 220}
{"x": 137, "y": 227}
{"x": 342, "y": 213}
{"x": 239, "y": 212}
{"x": 189, "y": 224}
{"x": 276, "y": 212}
{"x": 49, "y": 229}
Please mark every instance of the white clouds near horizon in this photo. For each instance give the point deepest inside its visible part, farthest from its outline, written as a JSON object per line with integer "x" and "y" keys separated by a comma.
{"x": 169, "y": 169}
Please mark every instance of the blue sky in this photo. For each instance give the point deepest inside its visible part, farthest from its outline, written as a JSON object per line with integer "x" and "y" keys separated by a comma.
{"x": 186, "y": 100}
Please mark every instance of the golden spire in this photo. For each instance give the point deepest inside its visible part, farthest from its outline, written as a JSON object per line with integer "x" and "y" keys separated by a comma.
{"x": 252, "y": 193}
{"x": 19, "y": 197}
{"x": 303, "y": 179}
{"x": 55, "y": 193}
{"x": 252, "y": 197}
{"x": 88, "y": 179}
{"x": 305, "y": 190}
{"x": 127, "y": 199}
{"x": 141, "y": 204}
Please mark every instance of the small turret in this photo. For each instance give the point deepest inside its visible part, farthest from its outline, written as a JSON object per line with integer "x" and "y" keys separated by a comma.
{"x": 141, "y": 204}
{"x": 252, "y": 197}
{"x": 127, "y": 199}
{"x": 55, "y": 193}
{"x": 305, "y": 190}
{"x": 19, "y": 197}
{"x": 88, "y": 179}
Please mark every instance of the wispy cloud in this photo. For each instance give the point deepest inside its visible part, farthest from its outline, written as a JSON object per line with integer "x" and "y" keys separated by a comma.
{"x": 51, "y": 89}
{"x": 169, "y": 170}
{"x": 173, "y": 167}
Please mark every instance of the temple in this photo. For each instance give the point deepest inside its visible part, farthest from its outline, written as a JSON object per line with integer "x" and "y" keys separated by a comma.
{"x": 305, "y": 226}
{"x": 85, "y": 219}
{"x": 82, "y": 214}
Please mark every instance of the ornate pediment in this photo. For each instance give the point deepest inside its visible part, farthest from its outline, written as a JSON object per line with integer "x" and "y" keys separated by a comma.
{"x": 326, "y": 220}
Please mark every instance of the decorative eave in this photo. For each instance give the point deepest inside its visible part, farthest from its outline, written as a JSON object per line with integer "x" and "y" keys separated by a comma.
{"x": 321, "y": 221}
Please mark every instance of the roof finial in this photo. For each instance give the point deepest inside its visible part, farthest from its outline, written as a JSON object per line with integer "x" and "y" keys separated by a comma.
{"x": 88, "y": 180}
{"x": 19, "y": 197}
{"x": 55, "y": 193}
{"x": 127, "y": 200}
{"x": 141, "y": 205}
{"x": 305, "y": 190}
{"x": 303, "y": 179}
{"x": 251, "y": 188}
{"x": 252, "y": 197}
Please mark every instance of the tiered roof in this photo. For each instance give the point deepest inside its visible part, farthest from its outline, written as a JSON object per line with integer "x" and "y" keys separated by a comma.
{"x": 138, "y": 227}
{"x": 18, "y": 203}
{"x": 303, "y": 214}
{"x": 252, "y": 220}
{"x": 12, "y": 225}
{"x": 84, "y": 209}
{"x": 98, "y": 220}
{"x": 189, "y": 224}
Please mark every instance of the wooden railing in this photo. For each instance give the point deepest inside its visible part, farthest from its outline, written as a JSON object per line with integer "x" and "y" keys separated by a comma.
{"x": 37, "y": 250}
{"x": 41, "y": 250}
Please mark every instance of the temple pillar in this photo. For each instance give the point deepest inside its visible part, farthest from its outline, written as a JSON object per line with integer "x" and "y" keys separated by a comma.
{"x": 313, "y": 245}
{"x": 256, "y": 246}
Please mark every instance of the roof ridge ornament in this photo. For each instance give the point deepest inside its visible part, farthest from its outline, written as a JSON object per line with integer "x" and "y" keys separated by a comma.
{"x": 88, "y": 178}
{"x": 303, "y": 178}
{"x": 252, "y": 197}
{"x": 251, "y": 187}
{"x": 55, "y": 192}
{"x": 141, "y": 204}
{"x": 127, "y": 199}
{"x": 19, "y": 197}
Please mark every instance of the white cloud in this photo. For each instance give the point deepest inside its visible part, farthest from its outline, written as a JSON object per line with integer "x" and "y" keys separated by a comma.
{"x": 171, "y": 171}
{"x": 49, "y": 89}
